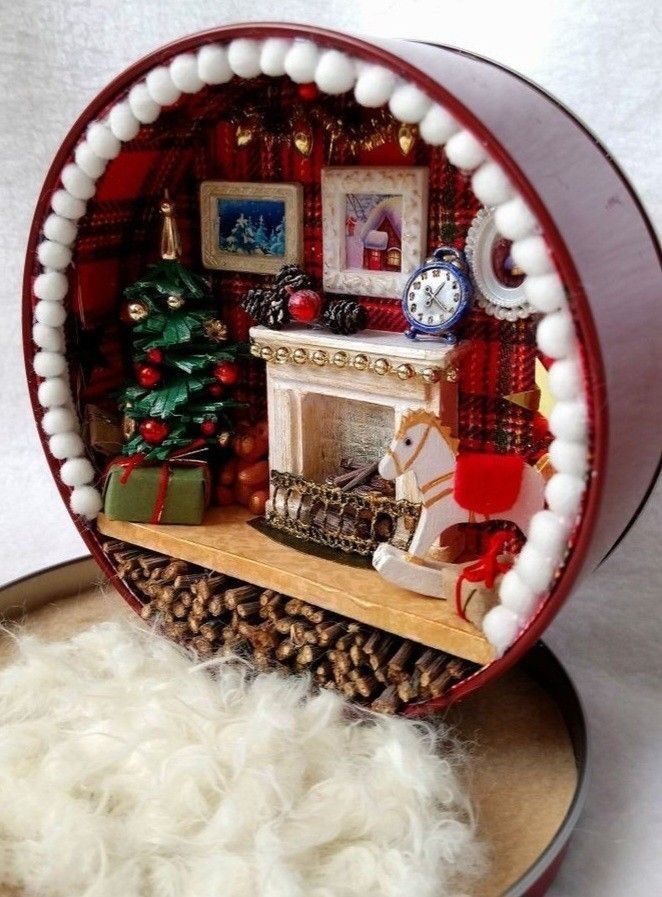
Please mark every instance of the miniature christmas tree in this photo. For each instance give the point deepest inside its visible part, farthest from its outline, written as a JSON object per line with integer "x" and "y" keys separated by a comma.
{"x": 181, "y": 357}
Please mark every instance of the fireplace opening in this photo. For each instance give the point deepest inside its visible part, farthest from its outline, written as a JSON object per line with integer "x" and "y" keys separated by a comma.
{"x": 342, "y": 433}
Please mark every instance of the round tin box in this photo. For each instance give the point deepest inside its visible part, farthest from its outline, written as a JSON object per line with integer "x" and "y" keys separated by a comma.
{"x": 508, "y": 167}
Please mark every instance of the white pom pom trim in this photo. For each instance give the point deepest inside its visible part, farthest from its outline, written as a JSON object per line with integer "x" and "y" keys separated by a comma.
{"x": 409, "y": 104}
{"x": 59, "y": 420}
{"x": 123, "y": 122}
{"x": 102, "y": 141}
{"x": 333, "y": 72}
{"x": 491, "y": 185}
{"x": 244, "y": 57}
{"x": 184, "y": 73}
{"x": 464, "y": 151}
{"x": 66, "y": 445}
{"x": 63, "y": 203}
{"x": 49, "y": 338}
{"x": 213, "y": 65}
{"x": 51, "y": 313}
{"x": 301, "y": 61}
{"x": 51, "y": 286}
{"x": 374, "y": 86}
{"x": 53, "y": 255}
{"x": 161, "y": 88}
{"x": 53, "y": 392}
{"x": 88, "y": 161}
{"x": 515, "y": 220}
{"x": 86, "y": 501}
{"x": 145, "y": 109}
{"x": 77, "y": 183}
{"x": 77, "y": 472}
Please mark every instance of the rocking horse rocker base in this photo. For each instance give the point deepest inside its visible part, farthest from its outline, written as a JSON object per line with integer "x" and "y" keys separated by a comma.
{"x": 473, "y": 487}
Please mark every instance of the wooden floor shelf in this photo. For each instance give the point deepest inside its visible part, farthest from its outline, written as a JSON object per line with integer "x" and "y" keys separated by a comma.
{"x": 225, "y": 543}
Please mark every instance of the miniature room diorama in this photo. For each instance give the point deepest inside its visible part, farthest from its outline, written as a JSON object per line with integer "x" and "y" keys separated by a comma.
{"x": 311, "y": 388}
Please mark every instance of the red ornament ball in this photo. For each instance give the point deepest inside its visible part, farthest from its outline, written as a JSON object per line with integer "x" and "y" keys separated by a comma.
{"x": 226, "y": 372}
{"x": 216, "y": 390}
{"x": 153, "y": 431}
{"x": 305, "y": 306}
{"x": 208, "y": 427}
{"x": 155, "y": 356}
{"x": 148, "y": 376}
{"x": 308, "y": 92}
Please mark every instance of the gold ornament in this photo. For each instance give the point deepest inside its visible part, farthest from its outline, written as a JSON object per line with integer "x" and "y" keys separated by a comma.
{"x": 282, "y": 354}
{"x": 266, "y": 352}
{"x": 361, "y": 362}
{"x": 300, "y": 356}
{"x": 340, "y": 359}
{"x": 137, "y": 311}
{"x": 171, "y": 247}
{"x": 174, "y": 302}
{"x": 406, "y": 138}
{"x": 319, "y": 357}
{"x": 216, "y": 330}
{"x": 381, "y": 366}
{"x": 128, "y": 427}
{"x": 244, "y": 134}
{"x": 302, "y": 138}
{"x": 405, "y": 371}
{"x": 430, "y": 375}
{"x": 223, "y": 439}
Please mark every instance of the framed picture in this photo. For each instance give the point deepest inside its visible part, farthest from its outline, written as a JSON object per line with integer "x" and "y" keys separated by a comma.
{"x": 374, "y": 228}
{"x": 251, "y": 227}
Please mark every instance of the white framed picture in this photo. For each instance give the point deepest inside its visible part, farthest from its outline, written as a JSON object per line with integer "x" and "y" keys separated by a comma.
{"x": 374, "y": 228}
{"x": 251, "y": 227}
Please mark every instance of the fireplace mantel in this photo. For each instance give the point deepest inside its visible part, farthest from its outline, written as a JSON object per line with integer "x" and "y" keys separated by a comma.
{"x": 323, "y": 389}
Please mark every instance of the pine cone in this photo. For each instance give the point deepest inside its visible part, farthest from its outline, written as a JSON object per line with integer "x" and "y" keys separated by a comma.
{"x": 345, "y": 316}
{"x": 267, "y": 308}
{"x": 292, "y": 276}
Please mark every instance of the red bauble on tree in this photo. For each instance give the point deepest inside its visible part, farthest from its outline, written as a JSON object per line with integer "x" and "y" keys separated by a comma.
{"x": 148, "y": 376}
{"x": 216, "y": 390}
{"x": 153, "y": 431}
{"x": 304, "y": 306}
{"x": 155, "y": 356}
{"x": 226, "y": 372}
{"x": 208, "y": 427}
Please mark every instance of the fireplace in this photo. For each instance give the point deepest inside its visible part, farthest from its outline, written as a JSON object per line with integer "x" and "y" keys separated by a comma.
{"x": 333, "y": 399}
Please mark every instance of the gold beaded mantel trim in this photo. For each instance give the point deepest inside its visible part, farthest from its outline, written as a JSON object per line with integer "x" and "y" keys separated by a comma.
{"x": 360, "y": 361}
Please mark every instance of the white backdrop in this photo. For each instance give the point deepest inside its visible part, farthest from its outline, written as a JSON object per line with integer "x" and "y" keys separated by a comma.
{"x": 602, "y": 59}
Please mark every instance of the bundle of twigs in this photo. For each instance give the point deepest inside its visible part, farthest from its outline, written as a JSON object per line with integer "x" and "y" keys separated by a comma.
{"x": 211, "y": 612}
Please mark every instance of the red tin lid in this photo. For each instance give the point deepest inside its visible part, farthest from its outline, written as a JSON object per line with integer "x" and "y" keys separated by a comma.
{"x": 598, "y": 236}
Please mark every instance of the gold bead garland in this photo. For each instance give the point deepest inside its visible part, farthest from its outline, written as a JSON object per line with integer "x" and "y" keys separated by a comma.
{"x": 361, "y": 362}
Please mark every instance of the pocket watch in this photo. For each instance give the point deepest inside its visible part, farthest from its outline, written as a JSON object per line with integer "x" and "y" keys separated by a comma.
{"x": 437, "y": 296}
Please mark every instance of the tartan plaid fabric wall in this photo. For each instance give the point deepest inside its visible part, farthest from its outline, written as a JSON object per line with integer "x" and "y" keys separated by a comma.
{"x": 195, "y": 140}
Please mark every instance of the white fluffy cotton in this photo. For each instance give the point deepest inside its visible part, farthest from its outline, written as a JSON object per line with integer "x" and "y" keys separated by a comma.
{"x": 125, "y": 769}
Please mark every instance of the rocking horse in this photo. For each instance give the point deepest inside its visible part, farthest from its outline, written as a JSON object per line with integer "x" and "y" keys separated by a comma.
{"x": 454, "y": 489}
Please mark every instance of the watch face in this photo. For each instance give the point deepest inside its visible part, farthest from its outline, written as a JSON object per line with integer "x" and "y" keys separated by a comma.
{"x": 433, "y": 297}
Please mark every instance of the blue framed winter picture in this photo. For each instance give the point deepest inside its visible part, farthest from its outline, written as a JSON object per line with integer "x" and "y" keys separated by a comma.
{"x": 251, "y": 227}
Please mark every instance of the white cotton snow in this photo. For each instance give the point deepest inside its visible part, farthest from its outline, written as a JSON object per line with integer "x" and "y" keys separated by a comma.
{"x": 126, "y": 769}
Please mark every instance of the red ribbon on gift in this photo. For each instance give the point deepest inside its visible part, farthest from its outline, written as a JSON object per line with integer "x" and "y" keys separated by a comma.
{"x": 131, "y": 462}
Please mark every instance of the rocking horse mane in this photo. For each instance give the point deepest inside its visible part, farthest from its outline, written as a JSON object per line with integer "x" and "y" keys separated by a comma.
{"x": 421, "y": 416}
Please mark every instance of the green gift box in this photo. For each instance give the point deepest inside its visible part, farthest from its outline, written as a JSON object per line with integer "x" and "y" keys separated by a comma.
{"x": 176, "y": 491}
